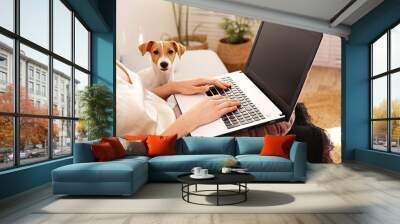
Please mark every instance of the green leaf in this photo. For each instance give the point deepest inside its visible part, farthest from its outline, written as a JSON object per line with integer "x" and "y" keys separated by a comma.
{"x": 96, "y": 102}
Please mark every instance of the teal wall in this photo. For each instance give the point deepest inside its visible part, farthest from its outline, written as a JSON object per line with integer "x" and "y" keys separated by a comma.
{"x": 355, "y": 86}
{"x": 100, "y": 17}
{"x": 24, "y": 178}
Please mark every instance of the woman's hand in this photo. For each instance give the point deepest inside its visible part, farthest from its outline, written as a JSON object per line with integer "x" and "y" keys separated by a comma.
{"x": 188, "y": 87}
{"x": 197, "y": 86}
{"x": 203, "y": 113}
{"x": 211, "y": 109}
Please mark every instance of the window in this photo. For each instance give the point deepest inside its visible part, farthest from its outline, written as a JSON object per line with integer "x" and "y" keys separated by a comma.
{"x": 34, "y": 21}
{"x": 44, "y": 91}
{"x": 81, "y": 45}
{"x": 385, "y": 92}
{"x": 81, "y": 81}
{"x": 30, "y": 87}
{"x": 43, "y": 124}
{"x": 6, "y": 142}
{"x": 38, "y": 74}
{"x": 30, "y": 73}
{"x": 3, "y": 78}
{"x": 62, "y": 31}
{"x": 62, "y": 137}
{"x": 6, "y": 73}
{"x": 37, "y": 90}
{"x": 3, "y": 61}
{"x": 7, "y": 14}
{"x": 3, "y": 72}
{"x": 62, "y": 74}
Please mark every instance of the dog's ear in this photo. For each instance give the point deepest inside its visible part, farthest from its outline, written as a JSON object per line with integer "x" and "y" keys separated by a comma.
{"x": 178, "y": 48}
{"x": 146, "y": 46}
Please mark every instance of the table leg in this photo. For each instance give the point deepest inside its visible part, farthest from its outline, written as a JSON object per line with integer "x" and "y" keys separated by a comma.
{"x": 217, "y": 194}
{"x": 195, "y": 188}
{"x": 188, "y": 190}
{"x": 245, "y": 193}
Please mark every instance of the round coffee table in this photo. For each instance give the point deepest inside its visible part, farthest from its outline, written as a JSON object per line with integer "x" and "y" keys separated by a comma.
{"x": 238, "y": 179}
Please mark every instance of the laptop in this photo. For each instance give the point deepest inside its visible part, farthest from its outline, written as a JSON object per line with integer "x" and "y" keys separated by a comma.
{"x": 270, "y": 84}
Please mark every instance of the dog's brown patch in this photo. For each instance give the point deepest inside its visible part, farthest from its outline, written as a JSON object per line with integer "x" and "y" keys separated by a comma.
{"x": 159, "y": 49}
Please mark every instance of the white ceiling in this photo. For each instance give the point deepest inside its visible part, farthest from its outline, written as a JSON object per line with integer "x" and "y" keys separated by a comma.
{"x": 324, "y": 16}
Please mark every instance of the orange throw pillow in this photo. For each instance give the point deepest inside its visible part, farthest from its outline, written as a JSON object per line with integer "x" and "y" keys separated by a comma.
{"x": 161, "y": 145}
{"x": 116, "y": 145}
{"x": 136, "y": 137}
{"x": 103, "y": 152}
{"x": 277, "y": 145}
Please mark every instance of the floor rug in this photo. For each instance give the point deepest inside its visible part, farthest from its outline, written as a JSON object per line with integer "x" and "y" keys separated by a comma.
{"x": 167, "y": 198}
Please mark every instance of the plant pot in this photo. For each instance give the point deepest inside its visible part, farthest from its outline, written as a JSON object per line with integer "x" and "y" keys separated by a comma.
{"x": 196, "y": 41}
{"x": 234, "y": 56}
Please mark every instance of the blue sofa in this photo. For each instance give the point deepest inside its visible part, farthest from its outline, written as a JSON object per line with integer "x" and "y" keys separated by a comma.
{"x": 125, "y": 176}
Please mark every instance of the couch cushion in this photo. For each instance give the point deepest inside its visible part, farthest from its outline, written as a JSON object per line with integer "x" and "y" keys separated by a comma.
{"x": 161, "y": 145}
{"x": 112, "y": 171}
{"x": 83, "y": 152}
{"x": 185, "y": 163}
{"x": 275, "y": 145}
{"x": 206, "y": 145}
{"x": 249, "y": 145}
{"x": 133, "y": 158}
{"x": 103, "y": 152}
{"x": 257, "y": 163}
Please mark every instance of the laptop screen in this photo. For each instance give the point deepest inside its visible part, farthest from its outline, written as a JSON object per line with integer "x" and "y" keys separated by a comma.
{"x": 279, "y": 62}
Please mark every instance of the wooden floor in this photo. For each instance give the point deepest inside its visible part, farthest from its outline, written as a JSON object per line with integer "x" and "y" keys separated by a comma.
{"x": 378, "y": 189}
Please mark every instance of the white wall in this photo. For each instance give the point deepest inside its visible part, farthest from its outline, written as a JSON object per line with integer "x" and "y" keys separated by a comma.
{"x": 151, "y": 18}
{"x": 208, "y": 22}
{"x": 328, "y": 55}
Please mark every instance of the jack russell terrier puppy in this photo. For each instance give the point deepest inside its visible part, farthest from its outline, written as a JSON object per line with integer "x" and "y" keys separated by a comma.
{"x": 163, "y": 54}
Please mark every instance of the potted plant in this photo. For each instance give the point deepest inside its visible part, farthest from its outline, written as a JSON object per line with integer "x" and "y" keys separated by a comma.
{"x": 96, "y": 102}
{"x": 190, "y": 41}
{"x": 235, "y": 47}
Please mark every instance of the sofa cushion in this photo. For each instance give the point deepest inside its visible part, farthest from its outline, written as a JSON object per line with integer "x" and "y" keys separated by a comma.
{"x": 112, "y": 171}
{"x": 185, "y": 163}
{"x": 249, "y": 145}
{"x": 103, "y": 152}
{"x": 161, "y": 145}
{"x": 257, "y": 163}
{"x": 83, "y": 152}
{"x": 206, "y": 145}
{"x": 116, "y": 145}
{"x": 277, "y": 145}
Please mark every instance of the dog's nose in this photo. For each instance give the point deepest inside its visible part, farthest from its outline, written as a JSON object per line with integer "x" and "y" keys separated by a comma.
{"x": 164, "y": 64}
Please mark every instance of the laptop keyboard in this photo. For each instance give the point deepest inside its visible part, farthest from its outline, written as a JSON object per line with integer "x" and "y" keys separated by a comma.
{"x": 247, "y": 111}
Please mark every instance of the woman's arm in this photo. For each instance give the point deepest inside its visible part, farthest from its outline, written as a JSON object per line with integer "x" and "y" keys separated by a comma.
{"x": 203, "y": 113}
{"x": 188, "y": 87}
{"x": 165, "y": 90}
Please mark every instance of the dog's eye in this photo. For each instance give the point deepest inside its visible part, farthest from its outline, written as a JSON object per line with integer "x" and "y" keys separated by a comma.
{"x": 170, "y": 52}
{"x": 155, "y": 52}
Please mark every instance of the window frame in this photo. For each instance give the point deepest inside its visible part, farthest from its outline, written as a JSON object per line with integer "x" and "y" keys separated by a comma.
{"x": 388, "y": 74}
{"x": 16, "y": 115}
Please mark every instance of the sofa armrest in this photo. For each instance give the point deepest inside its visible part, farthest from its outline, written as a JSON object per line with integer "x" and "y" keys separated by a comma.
{"x": 298, "y": 155}
{"x": 83, "y": 152}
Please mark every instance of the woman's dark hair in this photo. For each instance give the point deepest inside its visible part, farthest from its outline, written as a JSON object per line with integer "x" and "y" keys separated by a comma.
{"x": 303, "y": 118}
{"x": 302, "y": 115}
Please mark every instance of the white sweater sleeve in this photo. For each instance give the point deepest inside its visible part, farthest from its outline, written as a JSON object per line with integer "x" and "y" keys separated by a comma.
{"x": 139, "y": 111}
